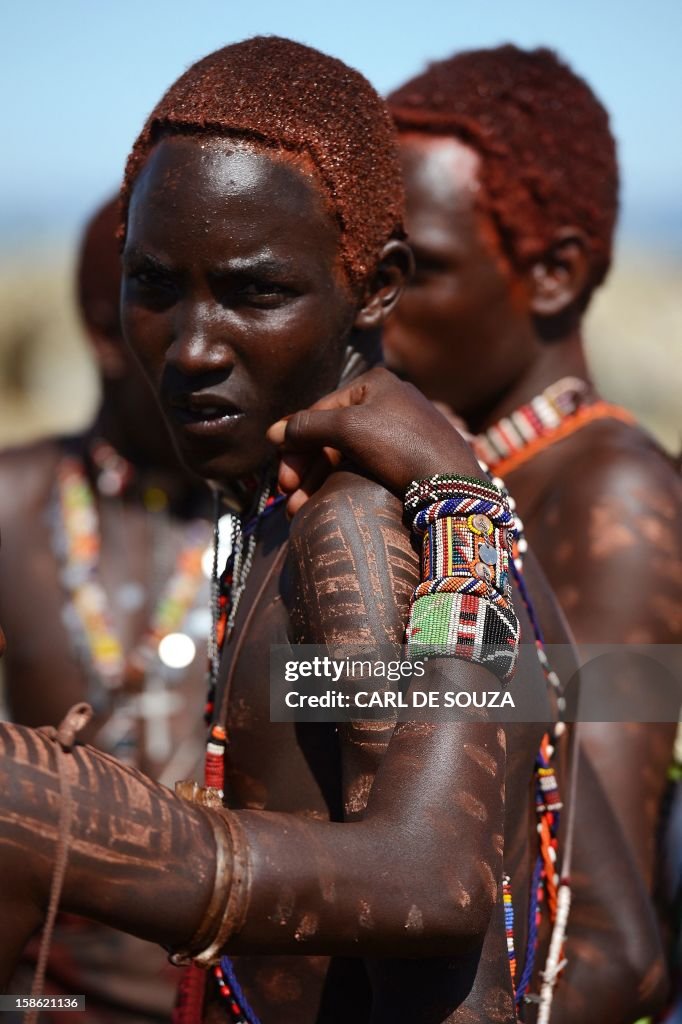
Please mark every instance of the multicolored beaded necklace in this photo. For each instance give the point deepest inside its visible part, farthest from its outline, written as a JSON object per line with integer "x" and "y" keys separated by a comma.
{"x": 545, "y": 881}
{"x": 87, "y": 613}
{"x": 227, "y": 590}
{"x": 559, "y": 411}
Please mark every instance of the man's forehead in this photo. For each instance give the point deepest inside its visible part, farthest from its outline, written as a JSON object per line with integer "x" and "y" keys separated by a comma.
{"x": 441, "y": 167}
{"x": 209, "y": 168}
{"x": 221, "y": 203}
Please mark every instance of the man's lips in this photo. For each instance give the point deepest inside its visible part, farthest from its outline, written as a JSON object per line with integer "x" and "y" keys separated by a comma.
{"x": 203, "y": 413}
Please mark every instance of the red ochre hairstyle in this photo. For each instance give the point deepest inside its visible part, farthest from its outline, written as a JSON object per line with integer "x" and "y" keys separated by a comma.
{"x": 287, "y": 96}
{"x": 548, "y": 158}
{"x": 98, "y": 274}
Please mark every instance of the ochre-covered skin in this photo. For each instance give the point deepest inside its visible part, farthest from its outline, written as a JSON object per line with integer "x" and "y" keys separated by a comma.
{"x": 348, "y": 577}
{"x": 603, "y": 511}
{"x": 510, "y": 211}
{"x": 317, "y": 880}
{"x": 324, "y": 878}
{"x": 612, "y": 929}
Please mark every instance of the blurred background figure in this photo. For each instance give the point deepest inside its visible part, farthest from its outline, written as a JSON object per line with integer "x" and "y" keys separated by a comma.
{"x": 104, "y": 597}
{"x": 512, "y": 195}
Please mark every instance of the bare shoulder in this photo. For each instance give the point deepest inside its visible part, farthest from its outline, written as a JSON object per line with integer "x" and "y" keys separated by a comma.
{"x": 26, "y": 478}
{"x": 609, "y": 536}
{"x": 353, "y": 564}
{"x": 620, "y": 462}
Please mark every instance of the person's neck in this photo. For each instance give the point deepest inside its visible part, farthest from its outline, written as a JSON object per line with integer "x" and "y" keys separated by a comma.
{"x": 564, "y": 357}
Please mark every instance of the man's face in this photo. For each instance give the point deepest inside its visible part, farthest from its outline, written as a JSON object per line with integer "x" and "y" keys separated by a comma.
{"x": 462, "y": 331}
{"x": 234, "y": 298}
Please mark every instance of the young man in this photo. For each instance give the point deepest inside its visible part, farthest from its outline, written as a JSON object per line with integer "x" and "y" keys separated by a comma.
{"x": 103, "y": 534}
{"x": 512, "y": 194}
{"x": 263, "y": 251}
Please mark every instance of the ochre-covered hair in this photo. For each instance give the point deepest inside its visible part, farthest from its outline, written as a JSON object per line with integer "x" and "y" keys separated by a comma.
{"x": 290, "y": 97}
{"x": 548, "y": 158}
{"x": 98, "y": 274}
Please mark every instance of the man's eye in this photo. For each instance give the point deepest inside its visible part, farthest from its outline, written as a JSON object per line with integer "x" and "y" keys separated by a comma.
{"x": 264, "y": 293}
{"x": 150, "y": 287}
{"x": 149, "y": 279}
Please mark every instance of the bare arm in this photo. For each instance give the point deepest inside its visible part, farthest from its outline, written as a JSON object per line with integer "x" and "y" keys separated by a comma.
{"x": 355, "y": 569}
{"x": 436, "y": 787}
{"x": 610, "y": 540}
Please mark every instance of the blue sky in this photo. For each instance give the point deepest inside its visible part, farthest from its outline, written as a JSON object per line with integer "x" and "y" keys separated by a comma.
{"x": 78, "y": 77}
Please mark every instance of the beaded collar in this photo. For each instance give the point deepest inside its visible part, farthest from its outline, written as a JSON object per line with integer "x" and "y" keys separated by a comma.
{"x": 560, "y": 410}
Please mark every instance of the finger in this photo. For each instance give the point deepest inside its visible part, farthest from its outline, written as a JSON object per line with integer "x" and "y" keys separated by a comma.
{"x": 311, "y": 430}
{"x": 353, "y": 394}
{"x": 295, "y": 502}
{"x": 313, "y": 480}
{"x": 309, "y": 486}
{"x": 292, "y": 470}
{"x": 275, "y": 433}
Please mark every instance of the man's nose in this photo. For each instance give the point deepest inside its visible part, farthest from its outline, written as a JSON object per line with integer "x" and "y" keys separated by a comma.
{"x": 202, "y": 342}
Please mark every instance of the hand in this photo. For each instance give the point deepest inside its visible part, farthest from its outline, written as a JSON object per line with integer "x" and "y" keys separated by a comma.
{"x": 386, "y": 427}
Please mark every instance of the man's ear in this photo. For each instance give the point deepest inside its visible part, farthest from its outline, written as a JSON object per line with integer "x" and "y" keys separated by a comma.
{"x": 559, "y": 279}
{"x": 382, "y": 291}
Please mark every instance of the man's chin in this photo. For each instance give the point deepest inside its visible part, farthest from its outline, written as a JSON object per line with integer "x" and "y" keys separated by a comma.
{"x": 224, "y": 467}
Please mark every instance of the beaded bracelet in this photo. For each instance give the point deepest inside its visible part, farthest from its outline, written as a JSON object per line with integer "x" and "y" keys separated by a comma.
{"x": 467, "y": 627}
{"x": 470, "y": 556}
{"x": 444, "y": 485}
{"x": 462, "y": 607}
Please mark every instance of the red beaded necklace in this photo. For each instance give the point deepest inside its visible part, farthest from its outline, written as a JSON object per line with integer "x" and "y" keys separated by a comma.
{"x": 559, "y": 411}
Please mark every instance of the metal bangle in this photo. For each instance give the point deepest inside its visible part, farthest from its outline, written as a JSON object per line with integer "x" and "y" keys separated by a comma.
{"x": 227, "y": 907}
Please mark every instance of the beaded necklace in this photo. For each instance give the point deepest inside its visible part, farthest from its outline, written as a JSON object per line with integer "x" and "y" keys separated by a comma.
{"x": 87, "y": 614}
{"x": 227, "y": 590}
{"x": 559, "y": 411}
{"x": 545, "y": 882}
{"x": 228, "y": 587}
